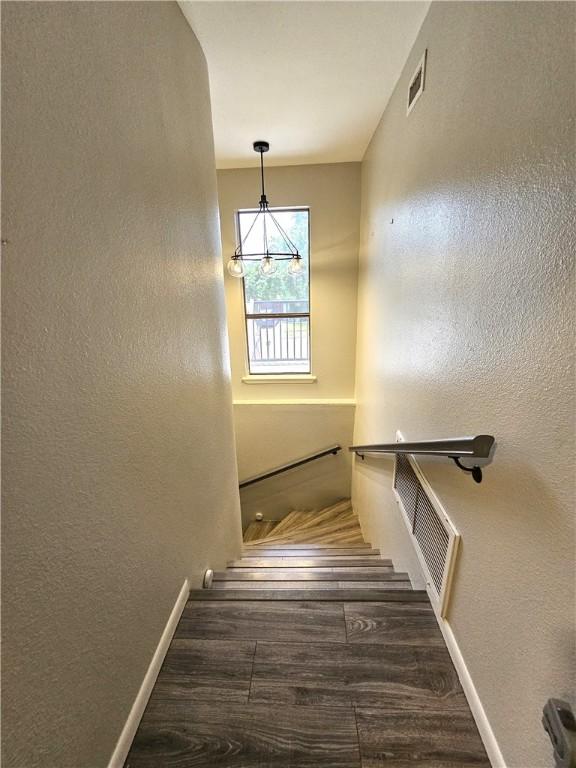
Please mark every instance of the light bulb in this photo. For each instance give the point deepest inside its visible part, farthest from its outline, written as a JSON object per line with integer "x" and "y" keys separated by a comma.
{"x": 295, "y": 266}
{"x": 267, "y": 265}
{"x": 236, "y": 267}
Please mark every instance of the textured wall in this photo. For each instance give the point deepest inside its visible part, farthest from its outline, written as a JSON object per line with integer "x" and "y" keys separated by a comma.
{"x": 117, "y": 397}
{"x": 466, "y": 326}
{"x": 333, "y": 194}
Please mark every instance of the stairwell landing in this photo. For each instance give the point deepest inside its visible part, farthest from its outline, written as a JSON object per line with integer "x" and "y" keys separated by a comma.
{"x": 309, "y": 651}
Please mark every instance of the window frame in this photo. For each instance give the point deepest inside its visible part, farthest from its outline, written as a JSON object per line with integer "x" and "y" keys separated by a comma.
{"x": 254, "y": 316}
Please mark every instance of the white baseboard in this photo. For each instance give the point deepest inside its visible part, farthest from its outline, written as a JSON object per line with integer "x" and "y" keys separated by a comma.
{"x": 482, "y": 722}
{"x": 131, "y": 726}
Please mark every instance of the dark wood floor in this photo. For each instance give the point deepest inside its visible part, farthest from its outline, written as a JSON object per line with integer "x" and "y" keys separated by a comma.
{"x": 308, "y": 657}
{"x": 302, "y": 684}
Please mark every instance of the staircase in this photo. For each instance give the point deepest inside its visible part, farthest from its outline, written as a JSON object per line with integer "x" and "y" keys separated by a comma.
{"x": 309, "y": 651}
{"x": 310, "y": 556}
{"x": 336, "y": 524}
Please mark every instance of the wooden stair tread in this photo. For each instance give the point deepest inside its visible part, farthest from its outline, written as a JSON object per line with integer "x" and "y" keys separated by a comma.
{"x": 342, "y": 535}
{"x": 350, "y": 535}
{"x": 320, "y": 595}
{"x": 359, "y": 558}
{"x": 258, "y": 530}
{"x": 305, "y": 520}
{"x": 305, "y": 574}
{"x": 312, "y": 520}
{"x": 249, "y": 585}
{"x": 312, "y": 555}
{"x": 310, "y": 552}
{"x": 334, "y": 524}
{"x": 290, "y": 521}
{"x": 377, "y": 568}
{"x": 296, "y": 562}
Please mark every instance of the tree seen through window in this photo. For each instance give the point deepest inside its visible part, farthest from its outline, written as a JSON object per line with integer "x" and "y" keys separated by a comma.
{"x": 279, "y": 343}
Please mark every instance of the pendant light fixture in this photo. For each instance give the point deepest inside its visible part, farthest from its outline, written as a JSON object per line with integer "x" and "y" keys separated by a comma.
{"x": 269, "y": 224}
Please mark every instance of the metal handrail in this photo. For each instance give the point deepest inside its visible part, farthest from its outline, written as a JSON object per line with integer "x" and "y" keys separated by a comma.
{"x": 293, "y": 464}
{"x": 476, "y": 447}
{"x": 456, "y": 448}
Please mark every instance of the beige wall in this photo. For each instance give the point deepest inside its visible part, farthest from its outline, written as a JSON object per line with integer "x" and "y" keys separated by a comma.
{"x": 271, "y": 434}
{"x": 117, "y": 399}
{"x": 466, "y": 326}
{"x": 333, "y": 194}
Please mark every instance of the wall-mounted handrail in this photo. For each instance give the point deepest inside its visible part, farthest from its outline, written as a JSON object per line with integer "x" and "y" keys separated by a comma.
{"x": 476, "y": 447}
{"x": 456, "y": 448}
{"x": 292, "y": 465}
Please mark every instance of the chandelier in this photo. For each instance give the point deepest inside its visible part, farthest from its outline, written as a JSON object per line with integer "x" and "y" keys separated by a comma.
{"x": 270, "y": 229}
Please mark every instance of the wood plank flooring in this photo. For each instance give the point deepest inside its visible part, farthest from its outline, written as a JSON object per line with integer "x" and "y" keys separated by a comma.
{"x": 180, "y": 734}
{"x": 431, "y": 739}
{"x": 305, "y": 665}
{"x": 383, "y": 623}
{"x": 299, "y": 622}
{"x": 379, "y": 675}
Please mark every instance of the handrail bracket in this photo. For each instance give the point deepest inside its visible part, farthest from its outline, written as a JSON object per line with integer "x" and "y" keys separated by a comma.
{"x": 475, "y": 471}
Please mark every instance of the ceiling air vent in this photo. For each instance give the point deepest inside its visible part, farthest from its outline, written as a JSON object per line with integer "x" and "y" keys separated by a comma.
{"x": 433, "y": 535}
{"x": 416, "y": 84}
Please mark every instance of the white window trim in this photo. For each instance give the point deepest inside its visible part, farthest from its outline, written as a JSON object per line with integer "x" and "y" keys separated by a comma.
{"x": 280, "y": 378}
{"x": 287, "y": 378}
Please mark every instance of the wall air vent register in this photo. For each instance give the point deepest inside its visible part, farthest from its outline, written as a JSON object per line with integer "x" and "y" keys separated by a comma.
{"x": 417, "y": 82}
{"x": 433, "y": 534}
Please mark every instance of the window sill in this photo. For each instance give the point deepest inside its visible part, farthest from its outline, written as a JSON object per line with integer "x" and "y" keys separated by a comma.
{"x": 279, "y": 378}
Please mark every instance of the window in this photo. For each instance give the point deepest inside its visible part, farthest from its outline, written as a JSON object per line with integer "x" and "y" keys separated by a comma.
{"x": 277, "y": 306}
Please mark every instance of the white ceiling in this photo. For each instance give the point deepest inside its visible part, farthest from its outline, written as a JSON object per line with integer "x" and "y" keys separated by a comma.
{"x": 312, "y": 78}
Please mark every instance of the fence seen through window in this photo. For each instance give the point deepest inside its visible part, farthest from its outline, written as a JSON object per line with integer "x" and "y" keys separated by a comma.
{"x": 277, "y": 306}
